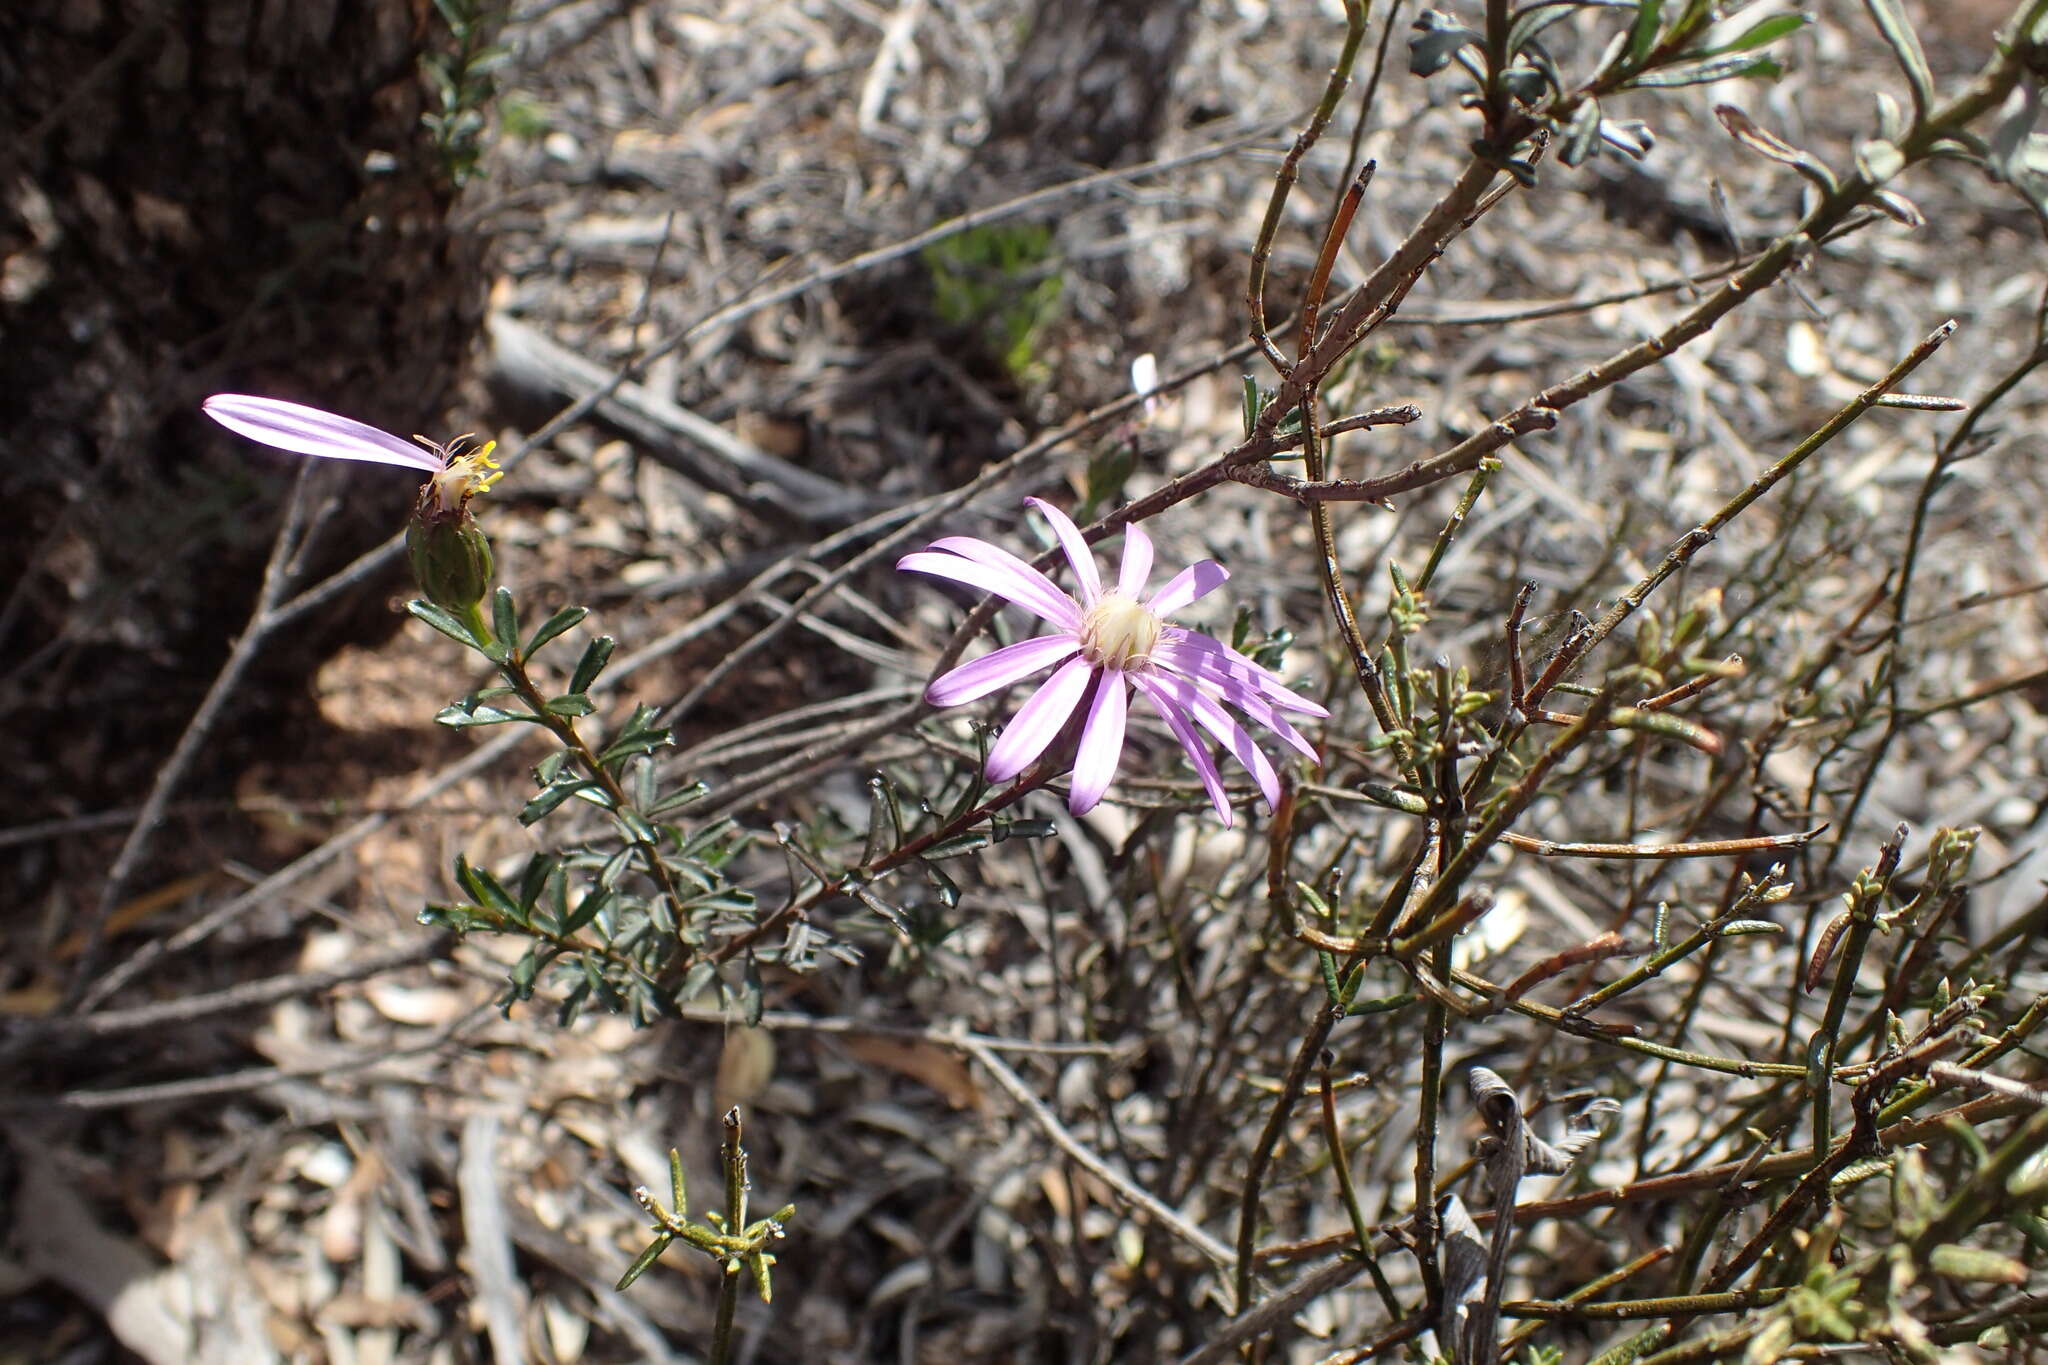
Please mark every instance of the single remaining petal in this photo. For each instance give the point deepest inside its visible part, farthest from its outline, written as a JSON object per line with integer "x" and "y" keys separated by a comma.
{"x": 1045, "y": 592}
{"x": 1176, "y": 718}
{"x": 1220, "y": 723}
{"x": 1078, "y": 553}
{"x": 1196, "y": 580}
{"x": 1102, "y": 743}
{"x": 1137, "y": 563}
{"x": 990, "y": 578}
{"x": 309, "y": 431}
{"x": 998, "y": 669}
{"x": 1199, "y": 655}
{"x": 1038, "y": 720}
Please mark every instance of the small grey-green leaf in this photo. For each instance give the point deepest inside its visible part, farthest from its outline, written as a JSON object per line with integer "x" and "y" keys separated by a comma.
{"x": 1708, "y": 71}
{"x": 1762, "y": 32}
{"x": 1897, "y": 31}
{"x": 1735, "y": 928}
{"x": 1437, "y": 39}
{"x": 505, "y": 618}
{"x": 1952, "y": 1261}
{"x": 460, "y": 717}
{"x": 1879, "y": 160}
{"x": 959, "y": 845}
{"x": 444, "y": 622}
{"x": 562, "y": 620}
{"x": 596, "y": 655}
{"x": 644, "y": 1260}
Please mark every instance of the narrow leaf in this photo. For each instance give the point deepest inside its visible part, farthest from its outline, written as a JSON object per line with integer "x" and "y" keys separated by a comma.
{"x": 596, "y": 655}
{"x": 1762, "y": 32}
{"x": 463, "y": 716}
{"x": 586, "y": 910}
{"x": 1709, "y": 71}
{"x": 534, "y": 880}
{"x": 442, "y": 621}
{"x": 1642, "y": 34}
{"x": 554, "y": 626}
{"x": 1897, "y": 32}
{"x": 505, "y": 618}
{"x": 959, "y": 845}
{"x": 1954, "y": 1262}
{"x": 545, "y": 802}
{"x": 644, "y": 1260}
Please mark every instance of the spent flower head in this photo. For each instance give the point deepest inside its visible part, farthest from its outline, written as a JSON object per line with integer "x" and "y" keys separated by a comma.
{"x": 455, "y": 475}
{"x": 1104, "y": 644}
{"x": 450, "y": 556}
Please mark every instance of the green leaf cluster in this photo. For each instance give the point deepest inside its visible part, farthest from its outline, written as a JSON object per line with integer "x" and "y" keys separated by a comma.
{"x": 1002, "y": 280}
{"x": 463, "y": 80}
{"x": 622, "y": 911}
{"x": 1663, "y": 46}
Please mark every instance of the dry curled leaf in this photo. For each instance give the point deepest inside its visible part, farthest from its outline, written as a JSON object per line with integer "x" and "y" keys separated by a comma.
{"x": 930, "y": 1065}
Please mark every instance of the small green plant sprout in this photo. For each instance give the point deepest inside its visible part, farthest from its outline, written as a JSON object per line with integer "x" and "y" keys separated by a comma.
{"x": 1002, "y": 279}
{"x": 727, "y": 1238}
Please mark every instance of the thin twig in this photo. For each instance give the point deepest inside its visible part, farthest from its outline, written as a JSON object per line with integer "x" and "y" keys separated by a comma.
{"x": 1049, "y": 1122}
{"x": 1708, "y": 848}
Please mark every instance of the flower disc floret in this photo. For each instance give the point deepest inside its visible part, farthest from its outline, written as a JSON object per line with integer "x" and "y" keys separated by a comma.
{"x": 1119, "y": 633}
{"x": 463, "y": 475}
{"x": 1102, "y": 646}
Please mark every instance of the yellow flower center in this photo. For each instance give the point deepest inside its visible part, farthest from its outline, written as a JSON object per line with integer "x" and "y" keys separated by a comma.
{"x": 466, "y": 474}
{"x": 1119, "y": 633}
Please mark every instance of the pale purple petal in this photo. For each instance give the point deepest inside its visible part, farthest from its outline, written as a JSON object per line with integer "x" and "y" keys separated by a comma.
{"x": 1038, "y": 721}
{"x": 998, "y": 669}
{"x": 1045, "y": 593}
{"x": 990, "y": 578}
{"x": 1248, "y": 689}
{"x": 1137, "y": 564}
{"x": 1197, "y": 655}
{"x": 1195, "y": 581}
{"x": 1176, "y": 718}
{"x": 1077, "y": 550}
{"x": 1220, "y": 723}
{"x": 1102, "y": 743}
{"x": 309, "y": 431}
{"x": 1249, "y": 702}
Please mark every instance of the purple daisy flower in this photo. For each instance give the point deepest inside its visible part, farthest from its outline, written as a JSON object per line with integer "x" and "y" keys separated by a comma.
{"x": 1115, "y": 640}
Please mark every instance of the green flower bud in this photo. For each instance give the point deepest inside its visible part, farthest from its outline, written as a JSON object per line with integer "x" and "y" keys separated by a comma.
{"x": 451, "y": 558}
